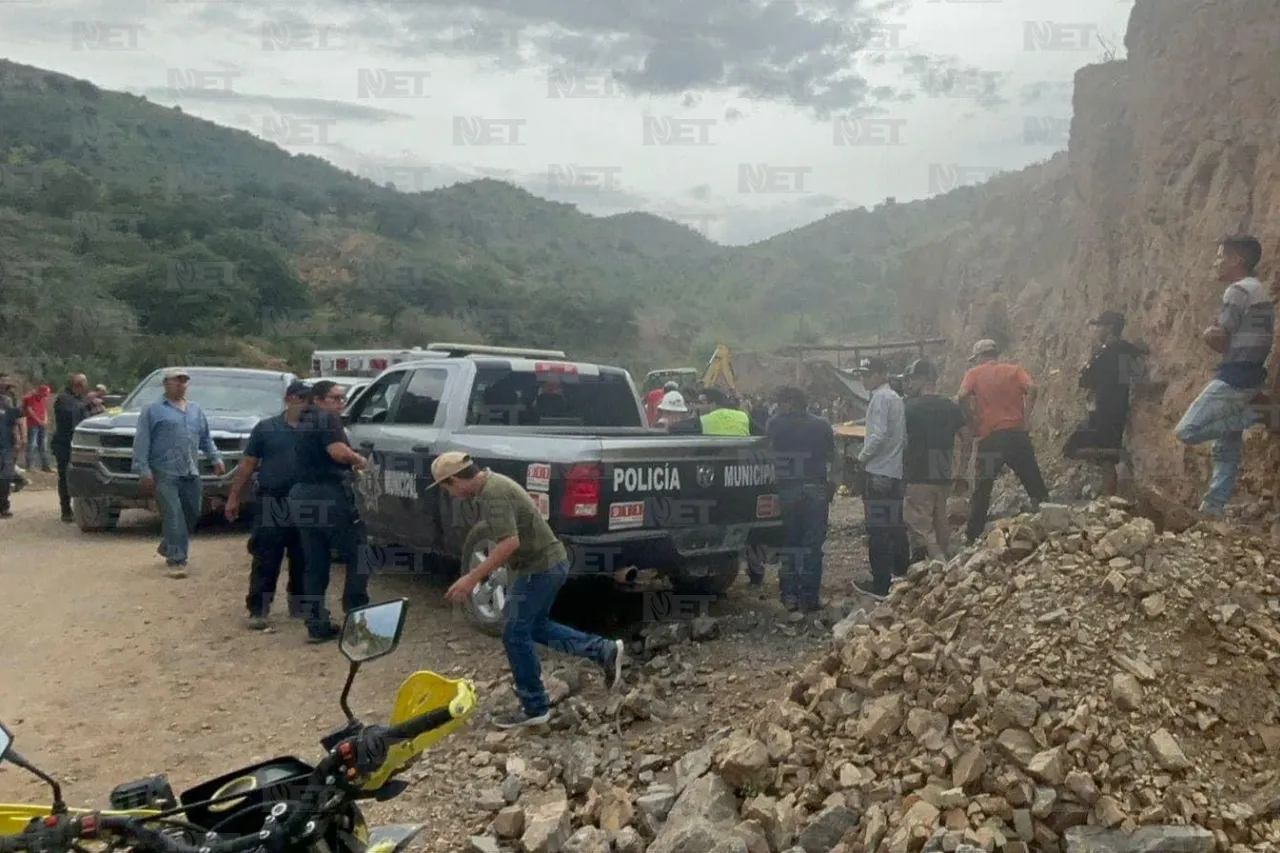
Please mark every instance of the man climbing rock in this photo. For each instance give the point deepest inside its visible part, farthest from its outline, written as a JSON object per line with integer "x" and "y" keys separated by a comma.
{"x": 1107, "y": 380}
{"x": 1243, "y": 335}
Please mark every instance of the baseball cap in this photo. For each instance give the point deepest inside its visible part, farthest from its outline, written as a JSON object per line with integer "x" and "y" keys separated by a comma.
{"x": 448, "y": 464}
{"x": 673, "y": 401}
{"x": 983, "y": 347}
{"x": 176, "y": 373}
{"x": 298, "y": 388}
{"x": 874, "y": 364}
{"x": 1111, "y": 319}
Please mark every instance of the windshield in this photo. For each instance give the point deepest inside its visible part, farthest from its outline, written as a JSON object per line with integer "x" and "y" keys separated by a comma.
{"x": 214, "y": 392}
{"x": 503, "y": 397}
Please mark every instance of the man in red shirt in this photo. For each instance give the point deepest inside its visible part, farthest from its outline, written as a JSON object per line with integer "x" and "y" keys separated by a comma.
{"x": 998, "y": 397}
{"x": 35, "y": 409}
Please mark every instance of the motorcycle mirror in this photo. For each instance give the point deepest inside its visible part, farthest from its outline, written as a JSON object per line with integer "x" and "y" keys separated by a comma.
{"x": 369, "y": 632}
{"x": 8, "y": 753}
{"x": 6, "y": 741}
{"x": 373, "y": 631}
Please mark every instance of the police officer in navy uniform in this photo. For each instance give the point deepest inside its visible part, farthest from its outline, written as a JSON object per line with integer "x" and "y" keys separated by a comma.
{"x": 271, "y": 453}
{"x": 10, "y": 438}
{"x": 322, "y": 506}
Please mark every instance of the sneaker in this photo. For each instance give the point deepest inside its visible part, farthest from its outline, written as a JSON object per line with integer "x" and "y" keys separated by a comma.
{"x": 612, "y": 665}
{"x": 257, "y": 623}
{"x": 518, "y": 719}
{"x": 48, "y": 470}
{"x": 177, "y": 571}
{"x": 324, "y": 634}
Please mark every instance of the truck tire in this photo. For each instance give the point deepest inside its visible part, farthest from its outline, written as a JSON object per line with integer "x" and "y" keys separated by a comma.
{"x": 711, "y": 576}
{"x": 94, "y": 515}
{"x": 486, "y": 607}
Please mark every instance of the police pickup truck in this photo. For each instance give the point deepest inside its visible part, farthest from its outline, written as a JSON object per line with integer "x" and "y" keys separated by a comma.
{"x": 620, "y": 495}
{"x": 101, "y": 479}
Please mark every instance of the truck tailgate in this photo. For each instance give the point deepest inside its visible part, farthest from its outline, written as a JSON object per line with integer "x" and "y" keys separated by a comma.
{"x": 692, "y": 483}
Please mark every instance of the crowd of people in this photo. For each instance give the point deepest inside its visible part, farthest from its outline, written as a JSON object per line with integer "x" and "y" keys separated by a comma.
{"x": 917, "y": 452}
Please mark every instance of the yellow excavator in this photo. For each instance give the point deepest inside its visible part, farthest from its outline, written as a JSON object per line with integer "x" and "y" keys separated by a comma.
{"x": 719, "y": 372}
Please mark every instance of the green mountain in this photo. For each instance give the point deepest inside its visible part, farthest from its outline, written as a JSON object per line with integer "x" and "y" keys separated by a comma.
{"x": 133, "y": 234}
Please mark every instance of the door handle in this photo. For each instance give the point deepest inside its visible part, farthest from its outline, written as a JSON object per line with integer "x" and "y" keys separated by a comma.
{"x": 366, "y": 445}
{"x": 421, "y": 448}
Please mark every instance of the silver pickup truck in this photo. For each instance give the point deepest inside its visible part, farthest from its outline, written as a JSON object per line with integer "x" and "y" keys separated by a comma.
{"x": 620, "y": 495}
{"x": 101, "y": 480}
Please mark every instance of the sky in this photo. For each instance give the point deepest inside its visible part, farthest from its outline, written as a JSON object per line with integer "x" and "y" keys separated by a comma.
{"x": 740, "y": 118}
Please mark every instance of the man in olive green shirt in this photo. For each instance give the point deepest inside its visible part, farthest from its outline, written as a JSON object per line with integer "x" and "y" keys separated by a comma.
{"x": 538, "y": 567}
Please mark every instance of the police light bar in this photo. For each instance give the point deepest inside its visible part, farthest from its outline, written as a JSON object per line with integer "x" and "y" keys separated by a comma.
{"x": 478, "y": 349}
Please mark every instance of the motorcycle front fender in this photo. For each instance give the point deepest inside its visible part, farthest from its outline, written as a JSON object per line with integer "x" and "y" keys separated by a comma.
{"x": 392, "y": 838}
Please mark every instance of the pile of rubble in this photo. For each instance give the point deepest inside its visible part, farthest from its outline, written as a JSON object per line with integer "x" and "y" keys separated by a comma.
{"x": 1081, "y": 682}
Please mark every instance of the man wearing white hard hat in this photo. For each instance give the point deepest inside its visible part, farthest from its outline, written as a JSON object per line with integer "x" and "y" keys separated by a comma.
{"x": 672, "y": 410}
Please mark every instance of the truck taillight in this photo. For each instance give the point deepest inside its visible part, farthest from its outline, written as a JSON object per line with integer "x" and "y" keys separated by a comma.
{"x": 581, "y": 492}
{"x": 555, "y": 367}
{"x": 378, "y": 363}
{"x": 341, "y": 364}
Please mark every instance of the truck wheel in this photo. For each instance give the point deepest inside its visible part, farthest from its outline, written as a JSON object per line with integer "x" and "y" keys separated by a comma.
{"x": 706, "y": 577}
{"x": 486, "y": 608}
{"x": 94, "y": 515}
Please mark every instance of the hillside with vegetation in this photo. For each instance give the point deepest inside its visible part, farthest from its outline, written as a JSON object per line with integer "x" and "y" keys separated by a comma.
{"x": 133, "y": 235}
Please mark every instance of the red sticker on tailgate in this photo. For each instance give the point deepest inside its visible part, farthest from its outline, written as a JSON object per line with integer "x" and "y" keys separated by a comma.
{"x": 767, "y": 506}
{"x": 538, "y": 478}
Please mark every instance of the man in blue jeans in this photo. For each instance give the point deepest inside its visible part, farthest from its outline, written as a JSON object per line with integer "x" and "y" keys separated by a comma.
{"x": 539, "y": 566}
{"x": 166, "y": 457}
{"x": 1243, "y": 335}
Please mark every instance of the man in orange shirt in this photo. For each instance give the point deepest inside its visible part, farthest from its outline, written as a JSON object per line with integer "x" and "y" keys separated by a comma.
{"x": 998, "y": 398}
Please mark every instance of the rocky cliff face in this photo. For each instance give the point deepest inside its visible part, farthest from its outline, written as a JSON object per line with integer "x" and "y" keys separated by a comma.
{"x": 1170, "y": 150}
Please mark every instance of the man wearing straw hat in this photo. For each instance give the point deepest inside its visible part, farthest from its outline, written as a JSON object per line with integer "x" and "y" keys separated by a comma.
{"x": 538, "y": 565}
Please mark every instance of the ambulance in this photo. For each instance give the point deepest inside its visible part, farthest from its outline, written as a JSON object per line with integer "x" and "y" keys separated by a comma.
{"x": 353, "y": 369}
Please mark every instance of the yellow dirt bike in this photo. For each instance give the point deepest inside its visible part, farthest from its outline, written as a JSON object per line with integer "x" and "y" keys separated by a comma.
{"x": 284, "y": 805}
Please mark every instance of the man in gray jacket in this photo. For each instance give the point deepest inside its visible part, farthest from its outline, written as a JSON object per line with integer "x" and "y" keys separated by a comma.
{"x": 888, "y": 549}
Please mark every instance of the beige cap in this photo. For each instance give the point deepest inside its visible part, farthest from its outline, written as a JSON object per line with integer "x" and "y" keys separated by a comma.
{"x": 983, "y": 347}
{"x": 176, "y": 373}
{"x": 448, "y": 464}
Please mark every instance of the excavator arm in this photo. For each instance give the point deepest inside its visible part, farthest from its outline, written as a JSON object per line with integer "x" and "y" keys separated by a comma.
{"x": 720, "y": 368}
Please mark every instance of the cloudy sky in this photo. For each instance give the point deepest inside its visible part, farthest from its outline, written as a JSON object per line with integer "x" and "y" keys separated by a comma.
{"x": 741, "y": 118}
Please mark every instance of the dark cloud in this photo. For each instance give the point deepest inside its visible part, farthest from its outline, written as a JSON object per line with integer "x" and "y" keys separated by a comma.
{"x": 310, "y": 107}
{"x": 767, "y": 49}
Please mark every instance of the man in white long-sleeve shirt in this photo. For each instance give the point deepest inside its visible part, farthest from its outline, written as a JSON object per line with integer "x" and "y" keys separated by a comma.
{"x": 888, "y": 549}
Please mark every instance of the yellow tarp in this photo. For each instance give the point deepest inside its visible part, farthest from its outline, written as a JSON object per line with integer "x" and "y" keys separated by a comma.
{"x": 850, "y": 431}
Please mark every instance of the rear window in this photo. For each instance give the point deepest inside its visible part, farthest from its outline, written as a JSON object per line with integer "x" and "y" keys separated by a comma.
{"x": 505, "y": 397}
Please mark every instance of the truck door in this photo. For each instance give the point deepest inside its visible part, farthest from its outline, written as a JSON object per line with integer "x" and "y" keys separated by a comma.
{"x": 409, "y": 445}
{"x": 366, "y": 420}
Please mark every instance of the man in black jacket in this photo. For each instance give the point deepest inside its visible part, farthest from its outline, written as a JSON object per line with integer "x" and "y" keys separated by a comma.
{"x": 1107, "y": 380}
{"x": 69, "y": 410}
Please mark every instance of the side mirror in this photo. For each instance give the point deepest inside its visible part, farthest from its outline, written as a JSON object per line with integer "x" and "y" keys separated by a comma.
{"x": 6, "y": 741}
{"x": 373, "y": 631}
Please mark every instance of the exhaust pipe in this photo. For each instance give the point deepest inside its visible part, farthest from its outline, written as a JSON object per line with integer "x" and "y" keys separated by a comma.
{"x": 627, "y": 576}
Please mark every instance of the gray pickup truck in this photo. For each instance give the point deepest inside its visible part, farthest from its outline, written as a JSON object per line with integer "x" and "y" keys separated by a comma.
{"x": 101, "y": 480}
{"x": 620, "y": 495}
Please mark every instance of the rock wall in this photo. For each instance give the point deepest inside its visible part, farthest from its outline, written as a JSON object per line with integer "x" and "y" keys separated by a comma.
{"x": 1170, "y": 150}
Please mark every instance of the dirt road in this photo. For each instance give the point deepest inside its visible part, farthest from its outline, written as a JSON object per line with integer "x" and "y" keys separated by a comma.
{"x": 112, "y": 672}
